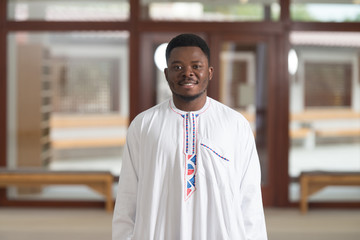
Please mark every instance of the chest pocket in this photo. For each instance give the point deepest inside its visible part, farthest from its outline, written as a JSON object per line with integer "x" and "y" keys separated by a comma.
{"x": 214, "y": 158}
{"x": 216, "y": 165}
{"x": 217, "y": 151}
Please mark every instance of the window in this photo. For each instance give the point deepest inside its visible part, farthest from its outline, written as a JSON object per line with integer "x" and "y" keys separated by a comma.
{"x": 325, "y": 11}
{"x": 327, "y": 84}
{"x": 54, "y": 10}
{"x": 209, "y": 10}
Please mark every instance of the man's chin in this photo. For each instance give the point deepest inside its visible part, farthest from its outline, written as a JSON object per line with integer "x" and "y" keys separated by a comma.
{"x": 189, "y": 98}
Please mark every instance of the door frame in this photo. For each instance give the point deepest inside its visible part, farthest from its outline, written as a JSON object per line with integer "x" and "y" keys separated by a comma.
{"x": 270, "y": 189}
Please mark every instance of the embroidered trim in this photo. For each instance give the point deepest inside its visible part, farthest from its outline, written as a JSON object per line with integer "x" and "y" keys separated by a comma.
{"x": 190, "y": 139}
{"x": 194, "y": 134}
{"x": 190, "y": 175}
{"x": 206, "y": 107}
{"x": 214, "y": 152}
{"x": 187, "y": 133}
{"x": 190, "y": 131}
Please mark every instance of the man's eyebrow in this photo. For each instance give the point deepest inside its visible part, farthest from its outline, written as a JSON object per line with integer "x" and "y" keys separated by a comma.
{"x": 175, "y": 62}
{"x": 195, "y": 61}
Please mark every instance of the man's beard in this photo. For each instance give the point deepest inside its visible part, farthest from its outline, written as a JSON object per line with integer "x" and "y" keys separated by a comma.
{"x": 190, "y": 98}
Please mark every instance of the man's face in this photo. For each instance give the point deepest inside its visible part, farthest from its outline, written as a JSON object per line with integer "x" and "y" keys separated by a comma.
{"x": 188, "y": 73}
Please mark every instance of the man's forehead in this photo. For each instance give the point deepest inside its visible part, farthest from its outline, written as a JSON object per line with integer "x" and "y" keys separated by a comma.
{"x": 187, "y": 51}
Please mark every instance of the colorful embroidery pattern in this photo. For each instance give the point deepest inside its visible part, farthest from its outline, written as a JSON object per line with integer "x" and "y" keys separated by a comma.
{"x": 214, "y": 152}
{"x": 190, "y": 175}
{"x": 190, "y": 142}
{"x": 190, "y": 153}
{"x": 194, "y": 133}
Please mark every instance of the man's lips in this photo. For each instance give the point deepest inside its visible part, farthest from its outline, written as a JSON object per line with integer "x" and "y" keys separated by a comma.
{"x": 188, "y": 83}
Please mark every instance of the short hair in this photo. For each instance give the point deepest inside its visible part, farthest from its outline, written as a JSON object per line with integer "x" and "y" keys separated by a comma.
{"x": 187, "y": 40}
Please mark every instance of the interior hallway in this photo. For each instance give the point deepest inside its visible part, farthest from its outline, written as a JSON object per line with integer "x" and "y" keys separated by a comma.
{"x": 95, "y": 224}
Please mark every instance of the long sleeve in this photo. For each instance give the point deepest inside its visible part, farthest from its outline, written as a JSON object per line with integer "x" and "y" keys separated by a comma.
{"x": 125, "y": 206}
{"x": 251, "y": 204}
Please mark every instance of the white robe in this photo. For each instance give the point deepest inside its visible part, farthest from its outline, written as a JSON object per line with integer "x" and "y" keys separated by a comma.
{"x": 189, "y": 176}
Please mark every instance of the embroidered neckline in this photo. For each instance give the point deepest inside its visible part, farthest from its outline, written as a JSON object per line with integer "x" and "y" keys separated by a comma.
{"x": 183, "y": 113}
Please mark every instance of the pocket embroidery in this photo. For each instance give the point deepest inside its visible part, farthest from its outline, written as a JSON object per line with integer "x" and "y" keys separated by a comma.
{"x": 214, "y": 152}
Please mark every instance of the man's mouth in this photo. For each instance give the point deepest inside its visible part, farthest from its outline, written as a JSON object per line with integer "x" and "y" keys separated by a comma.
{"x": 188, "y": 83}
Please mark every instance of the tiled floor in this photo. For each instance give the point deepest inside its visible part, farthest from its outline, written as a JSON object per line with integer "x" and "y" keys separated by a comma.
{"x": 95, "y": 224}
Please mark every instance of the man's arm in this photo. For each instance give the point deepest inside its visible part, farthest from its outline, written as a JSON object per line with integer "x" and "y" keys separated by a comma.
{"x": 251, "y": 201}
{"x": 125, "y": 205}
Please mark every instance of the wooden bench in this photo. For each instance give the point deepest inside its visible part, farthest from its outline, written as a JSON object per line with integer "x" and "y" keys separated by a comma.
{"x": 100, "y": 181}
{"x": 312, "y": 182}
{"x": 87, "y": 120}
{"x": 324, "y": 114}
{"x": 299, "y": 133}
{"x": 88, "y": 143}
{"x": 78, "y": 121}
{"x": 338, "y": 132}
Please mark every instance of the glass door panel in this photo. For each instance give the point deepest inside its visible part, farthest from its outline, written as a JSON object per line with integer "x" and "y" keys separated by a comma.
{"x": 324, "y": 108}
{"x": 243, "y": 87}
{"x": 67, "y": 105}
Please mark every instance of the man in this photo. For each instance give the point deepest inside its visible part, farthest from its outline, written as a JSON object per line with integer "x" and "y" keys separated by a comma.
{"x": 190, "y": 167}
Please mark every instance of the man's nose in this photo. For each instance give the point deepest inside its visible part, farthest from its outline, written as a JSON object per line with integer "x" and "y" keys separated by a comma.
{"x": 188, "y": 71}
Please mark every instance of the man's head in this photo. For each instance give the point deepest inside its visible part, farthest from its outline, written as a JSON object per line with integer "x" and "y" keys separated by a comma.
{"x": 188, "y": 72}
{"x": 188, "y": 40}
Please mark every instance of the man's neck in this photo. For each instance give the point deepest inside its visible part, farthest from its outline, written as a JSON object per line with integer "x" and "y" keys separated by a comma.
{"x": 189, "y": 106}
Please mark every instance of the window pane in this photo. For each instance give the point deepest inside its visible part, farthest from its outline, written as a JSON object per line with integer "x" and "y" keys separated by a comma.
{"x": 325, "y": 11}
{"x": 325, "y": 109}
{"x": 68, "y": 101}
{"x": 210, "y": 10}
{"x": 334, "y": 77}
{"x": 61, "y": 10}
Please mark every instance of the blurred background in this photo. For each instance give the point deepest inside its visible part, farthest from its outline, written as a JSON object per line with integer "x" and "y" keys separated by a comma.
{"x": 73, "y": 74}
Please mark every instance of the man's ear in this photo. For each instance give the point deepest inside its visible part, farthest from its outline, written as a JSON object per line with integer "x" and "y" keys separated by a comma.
{"x": 211, "y": 72}
{"x": 166, "y": 73}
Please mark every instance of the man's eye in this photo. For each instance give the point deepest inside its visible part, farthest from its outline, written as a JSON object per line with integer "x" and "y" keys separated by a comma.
{"x": 177, "y": 67}
{"x": 196, "y": 66}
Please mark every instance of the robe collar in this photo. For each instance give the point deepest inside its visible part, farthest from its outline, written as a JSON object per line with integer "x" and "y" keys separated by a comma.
{"x": 197, "y": 113}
